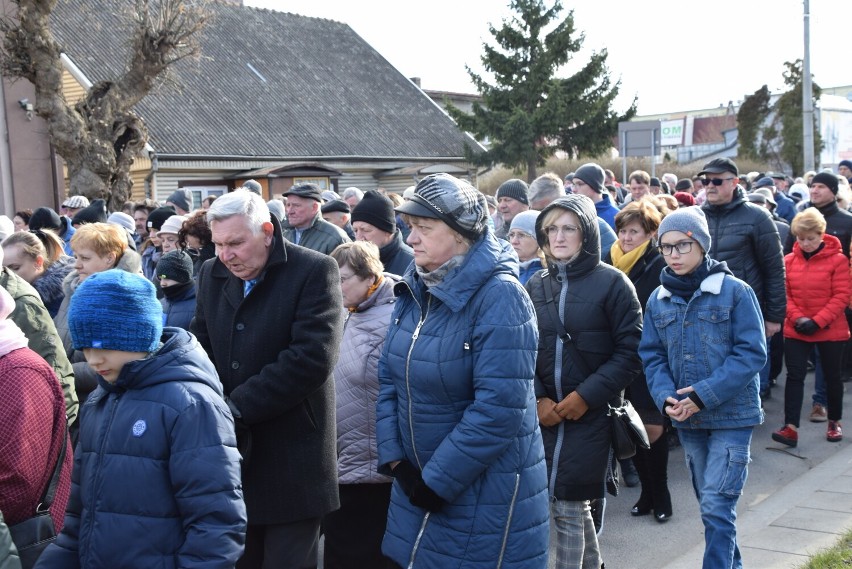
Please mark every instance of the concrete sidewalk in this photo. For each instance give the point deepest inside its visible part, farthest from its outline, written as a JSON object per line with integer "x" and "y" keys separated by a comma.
{"x": 794, "y": 522}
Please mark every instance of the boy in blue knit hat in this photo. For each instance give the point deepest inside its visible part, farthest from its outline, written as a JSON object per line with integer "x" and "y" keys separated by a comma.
{"x": 156, "y": 478}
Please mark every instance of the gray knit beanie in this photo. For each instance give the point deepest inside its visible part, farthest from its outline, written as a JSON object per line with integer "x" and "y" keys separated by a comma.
{"x": 525, "y": 221}
{"x": 593, "y": 175}
{"x": 515, "y": 189}
{"x": 688, "y": 220}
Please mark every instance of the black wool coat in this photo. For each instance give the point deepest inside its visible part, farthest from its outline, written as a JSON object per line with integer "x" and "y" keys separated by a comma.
{"x": 275, "y": 351}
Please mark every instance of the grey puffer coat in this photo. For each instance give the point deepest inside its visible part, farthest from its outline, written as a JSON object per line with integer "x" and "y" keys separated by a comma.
{"x": 356, "y": 384}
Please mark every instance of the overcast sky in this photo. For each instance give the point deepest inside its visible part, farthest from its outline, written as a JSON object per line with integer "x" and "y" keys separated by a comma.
{"x": 672, "y": 55}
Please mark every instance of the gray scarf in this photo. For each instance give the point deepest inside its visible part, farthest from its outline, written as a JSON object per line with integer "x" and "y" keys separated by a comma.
{"x": 436, "y": 277}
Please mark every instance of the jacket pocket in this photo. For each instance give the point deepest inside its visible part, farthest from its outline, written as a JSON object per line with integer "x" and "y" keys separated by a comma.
{"x": 736, "y": 472}
{"x": 715, "y": 324}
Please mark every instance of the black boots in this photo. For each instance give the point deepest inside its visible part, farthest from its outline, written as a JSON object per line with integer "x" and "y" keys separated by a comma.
{"x": 653, "y": 466}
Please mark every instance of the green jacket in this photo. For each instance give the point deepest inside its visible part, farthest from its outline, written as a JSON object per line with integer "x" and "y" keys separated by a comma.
{"x": 32, "y": 318}
{"x": 321, "y": 236}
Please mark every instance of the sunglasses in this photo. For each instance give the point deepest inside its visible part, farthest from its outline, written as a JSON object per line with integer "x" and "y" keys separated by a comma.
{"x": 717, "y": 181}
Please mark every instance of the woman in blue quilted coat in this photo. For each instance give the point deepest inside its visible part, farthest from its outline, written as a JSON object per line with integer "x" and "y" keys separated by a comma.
{"x": 456, "y": 414}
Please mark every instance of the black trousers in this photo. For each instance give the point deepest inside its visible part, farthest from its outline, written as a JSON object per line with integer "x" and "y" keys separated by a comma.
{"x": 796, "y": 354}
{"x": 353, "y": 534}
{"x": 294, "y": 546}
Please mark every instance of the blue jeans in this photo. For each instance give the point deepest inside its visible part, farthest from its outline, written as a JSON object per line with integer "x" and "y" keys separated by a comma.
{"x": 718, "y": 462}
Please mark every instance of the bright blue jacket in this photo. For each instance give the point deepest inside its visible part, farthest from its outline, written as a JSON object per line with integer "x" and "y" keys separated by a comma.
{"x": 715, "y": 343}
{"x": 456, "y": 400}
{"x": 606, "y": 210}
{"x": 786, "y": 208}
{"x": 156, "y": 479}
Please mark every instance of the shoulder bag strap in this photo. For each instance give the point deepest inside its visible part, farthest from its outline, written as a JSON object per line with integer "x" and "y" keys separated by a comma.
{"x": 567, "y": 341}
{"x": 50, "y": 491}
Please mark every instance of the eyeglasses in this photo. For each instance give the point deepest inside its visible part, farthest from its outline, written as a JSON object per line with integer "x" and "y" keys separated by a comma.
{"x": 717, "y": 181}
{"x": 343, "y": 279}
{"x": 567, "y": 230}
{"x": 518, "y": 235}
{"x": 682, "y": 248}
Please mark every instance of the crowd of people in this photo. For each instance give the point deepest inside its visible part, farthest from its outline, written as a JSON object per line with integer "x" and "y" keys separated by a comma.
{"x": 424, "y": 379}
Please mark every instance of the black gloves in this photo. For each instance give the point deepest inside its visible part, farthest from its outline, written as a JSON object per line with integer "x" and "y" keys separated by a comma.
{"x": 419, "y": 494}
{"x": 407, "y": 476}
{"x": 807, "y": 327}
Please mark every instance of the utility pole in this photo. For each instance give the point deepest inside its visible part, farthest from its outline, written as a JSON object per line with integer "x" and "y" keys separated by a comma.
{"x": 808, "y": 96}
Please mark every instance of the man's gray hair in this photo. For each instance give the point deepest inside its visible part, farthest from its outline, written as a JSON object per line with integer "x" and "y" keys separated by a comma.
{"x": 352, "y": 191}
{"x": 240, "y": 202}
{"x": 547, "y": 186}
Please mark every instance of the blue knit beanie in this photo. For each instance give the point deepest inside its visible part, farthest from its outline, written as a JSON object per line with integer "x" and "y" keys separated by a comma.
{"x": 116, "y": 310}
{"x": 688, "y": 220}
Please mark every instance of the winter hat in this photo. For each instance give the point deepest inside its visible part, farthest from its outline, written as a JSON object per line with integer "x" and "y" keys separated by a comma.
{"x": 525, "y": 221}
{"x": 655, "y": 183}
{"x": 329, "y": 195}
{"x": 115, "y": 310}
{"x": 827, "y": 179}
{"x": 172, "y": 224}
{"x": 159, "y": 216}
{"x": 515, "y": 189}
{"x": 122, "y": 220}
{"x": 276, "y": 208}
{"x": 689, "y": 220}
{"x": 11, "y": 337}
{"x": 684, "y": 185}
{"x": 767, "y": 194}
{"x": 336, "y": 205}
{"x": 377, "y": 210}
{"x": 44, "y": 218}
{"x": 720, "y": 165}
{"x": 7, "y": 227}
{"x": 181, "y": 198}
{"x": 685, "y": 199}
{"x": 799, "y": 192}
{"x": 764, "y": 182}
{"x": 76, "y": 202}
{"x": 96, "y": 212}
{"x": 253, "y": 186}
{"x": 175, "y": 265}
{"x": 453, "y": 201}
{"x": 307, "y": 190}
{"x": 593, "y": 175}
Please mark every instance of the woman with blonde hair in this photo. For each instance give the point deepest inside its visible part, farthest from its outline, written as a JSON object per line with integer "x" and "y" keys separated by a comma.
{"x": 818, "y": 291}
{"x": 39, "y": 258}
{"x": 97, "y": 247}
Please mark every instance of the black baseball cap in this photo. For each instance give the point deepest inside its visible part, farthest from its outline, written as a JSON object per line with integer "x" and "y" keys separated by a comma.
{"x": 719, "y": 165}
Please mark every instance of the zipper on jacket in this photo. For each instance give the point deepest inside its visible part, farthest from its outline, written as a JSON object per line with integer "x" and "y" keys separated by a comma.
{"x": 417, "y": 540}
{"x": 557, "y": 380}
{"x": 414, "y": 337}
{"x": 509, "y": 521}
{"x": 94, "y": 498}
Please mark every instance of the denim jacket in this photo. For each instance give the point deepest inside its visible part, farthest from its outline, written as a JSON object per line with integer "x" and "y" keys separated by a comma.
{"x": 715, "y": 343}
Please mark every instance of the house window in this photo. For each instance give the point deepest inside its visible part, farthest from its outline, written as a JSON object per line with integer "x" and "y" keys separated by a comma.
{"x": 322, "y": 183}
{"x": 200, "y": 193}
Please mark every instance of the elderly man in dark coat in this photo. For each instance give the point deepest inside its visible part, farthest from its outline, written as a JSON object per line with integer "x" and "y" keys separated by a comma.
{"x": 269, "y": 315}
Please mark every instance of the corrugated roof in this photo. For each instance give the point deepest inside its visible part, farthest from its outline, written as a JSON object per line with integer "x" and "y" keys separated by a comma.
{"x": 269, "y": 84}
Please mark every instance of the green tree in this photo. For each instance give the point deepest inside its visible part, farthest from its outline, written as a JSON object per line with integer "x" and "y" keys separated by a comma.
{"x": 788, "y": 113}
{"x": 750, "y": 119}
{"x": 528, "y": 113}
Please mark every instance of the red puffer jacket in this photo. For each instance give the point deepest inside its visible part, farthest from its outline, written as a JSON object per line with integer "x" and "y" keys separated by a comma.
{"x": 818, "y": 288}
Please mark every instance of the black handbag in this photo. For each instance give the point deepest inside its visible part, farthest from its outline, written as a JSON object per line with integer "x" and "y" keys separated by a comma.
{"x": 628, "y": 432}
{"x": 34, "y": 534}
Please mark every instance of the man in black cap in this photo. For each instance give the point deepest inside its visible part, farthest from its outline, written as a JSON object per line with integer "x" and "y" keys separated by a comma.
{"x": 838, "y": 222}
{"x": 374, "y": 220}
{"x": 845, "y": 169}
{"x": 745, "y": 237}
{"x": 305, "y": 225}
{"x": 589, "y": 181}
{"x": 511, "y": 200}
{"x": 339, "y": 213}
{"x": 95, "y": 212}
{"x": 181, "y": 201}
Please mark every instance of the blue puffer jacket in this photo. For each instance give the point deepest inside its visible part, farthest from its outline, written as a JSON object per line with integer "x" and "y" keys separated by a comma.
{"x": 179, "y": 310}
{"x": 456, "y": 400}
{"x": 714, "y": 343}
{"x": 156, "y": 479}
